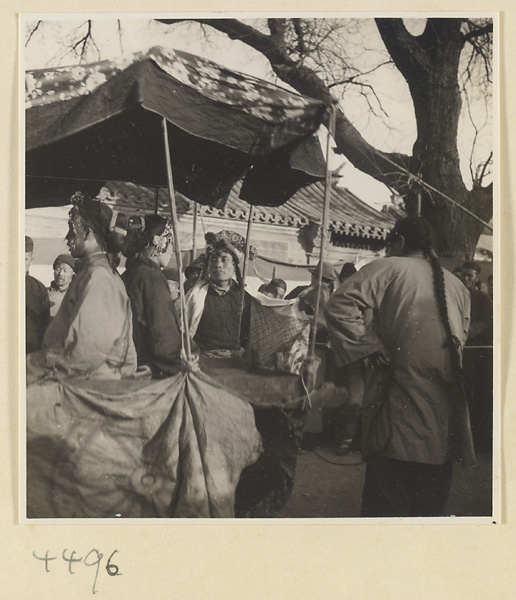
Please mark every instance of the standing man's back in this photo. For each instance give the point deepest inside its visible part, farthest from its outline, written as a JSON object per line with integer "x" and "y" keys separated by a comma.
{"x": 410, "y": 319}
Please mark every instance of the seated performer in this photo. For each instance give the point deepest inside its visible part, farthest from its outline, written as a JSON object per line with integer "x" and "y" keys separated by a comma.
{"x": 91, "y": 335}
{"x": 64, "y": 270}
{"x": 213, "y": 304}
{"x": 156, "y": 333}
{"x": 101, "y": 441}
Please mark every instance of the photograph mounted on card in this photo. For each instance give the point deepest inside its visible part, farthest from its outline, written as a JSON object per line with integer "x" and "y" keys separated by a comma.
{"x": 260, "y": 288}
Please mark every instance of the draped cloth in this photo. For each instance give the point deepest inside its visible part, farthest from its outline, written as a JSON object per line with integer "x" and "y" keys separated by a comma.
{"x": 92, "y": 333}
{"x": 132, "y": 449}
{"x": 278, "y": 334}
{"x": 278, "y": 329}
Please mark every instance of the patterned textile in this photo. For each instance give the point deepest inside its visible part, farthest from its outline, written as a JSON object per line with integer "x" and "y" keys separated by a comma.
{"x": 168, "y": 448}
{"x": 101, "y": 122}
{"x": 46, "y": 86}
{"x": 278, "y": 335}
{"x": 278, "y": 330}
{"x": 235, "y": 240}
{"x": 195, "y": 299}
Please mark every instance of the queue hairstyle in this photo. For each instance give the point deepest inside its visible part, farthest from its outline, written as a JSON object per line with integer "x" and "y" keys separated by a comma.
{"x": 417, "y": 234}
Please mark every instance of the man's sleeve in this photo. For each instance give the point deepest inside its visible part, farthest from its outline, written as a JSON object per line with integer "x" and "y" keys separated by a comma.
{"x": 349, "y": 319}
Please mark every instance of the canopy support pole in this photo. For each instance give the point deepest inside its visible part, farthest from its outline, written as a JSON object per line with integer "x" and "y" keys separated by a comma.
{"x": 156, "y": 200}
{"x": 324, "y": 228}
{"x": 194, "y": 231}
{"x": 175, "y": 227}
{"x": 244, "y": 269}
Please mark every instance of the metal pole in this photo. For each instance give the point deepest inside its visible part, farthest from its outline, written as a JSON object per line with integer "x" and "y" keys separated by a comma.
{"x": 324, "y": 228}
{"x": 194, "y": 232}
{"x": 244, "y": 270}
{"x": 175, "y": 227}
{"x": 418, "y": 204}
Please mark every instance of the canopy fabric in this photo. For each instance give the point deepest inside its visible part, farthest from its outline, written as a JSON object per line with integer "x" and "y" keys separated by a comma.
{"x": 102, "y": 121}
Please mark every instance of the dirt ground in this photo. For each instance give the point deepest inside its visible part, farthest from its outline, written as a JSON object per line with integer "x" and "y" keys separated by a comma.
{"x": 330, "y": 486}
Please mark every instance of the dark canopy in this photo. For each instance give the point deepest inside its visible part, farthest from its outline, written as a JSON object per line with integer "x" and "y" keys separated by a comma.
{"x": 88, "y": 124}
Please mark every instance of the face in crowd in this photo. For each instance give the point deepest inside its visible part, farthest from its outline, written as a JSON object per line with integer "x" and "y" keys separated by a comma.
{"x": 469, "y": 278}
{"x": 28, "y": 261}
{"x": 76, "y": 236}
{"x": 63, "y": 274}
{"x": 490, "y": 285}
{"x": 221, "y": 267}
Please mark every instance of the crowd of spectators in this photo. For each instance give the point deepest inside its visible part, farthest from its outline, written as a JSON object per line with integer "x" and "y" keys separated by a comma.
{"x": 396, "y": 330}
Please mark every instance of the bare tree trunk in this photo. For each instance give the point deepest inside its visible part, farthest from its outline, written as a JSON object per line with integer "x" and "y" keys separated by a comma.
{"x": 430, "y": 65}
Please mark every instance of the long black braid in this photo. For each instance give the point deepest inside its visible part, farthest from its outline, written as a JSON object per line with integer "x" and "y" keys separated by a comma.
{"x": 418, "y": 236}
{"x": 451, "y": 340}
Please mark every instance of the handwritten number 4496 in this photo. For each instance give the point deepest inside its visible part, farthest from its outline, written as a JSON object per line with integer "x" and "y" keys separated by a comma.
{"x": 92, "y": 559}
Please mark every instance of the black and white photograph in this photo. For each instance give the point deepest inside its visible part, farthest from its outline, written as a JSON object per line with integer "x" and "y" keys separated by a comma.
{"x": 261, "y": 266}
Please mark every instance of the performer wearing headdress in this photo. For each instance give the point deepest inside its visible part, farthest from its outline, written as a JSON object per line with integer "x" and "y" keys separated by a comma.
{"x": 213, "y": 304}
{"x": 91, "y": 335}
{"x": 155, "y": 324}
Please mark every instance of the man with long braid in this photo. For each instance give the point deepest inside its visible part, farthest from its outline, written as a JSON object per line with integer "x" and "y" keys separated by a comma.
{"x": 415, "y": 420}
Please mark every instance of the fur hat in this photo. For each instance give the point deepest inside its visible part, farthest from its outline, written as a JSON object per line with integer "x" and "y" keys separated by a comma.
{"x": 65, "y": 259}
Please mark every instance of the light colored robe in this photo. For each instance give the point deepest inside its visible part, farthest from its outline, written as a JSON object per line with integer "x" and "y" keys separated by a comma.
{"x": 412, "y": 410}
{"x": 91, "y": 333}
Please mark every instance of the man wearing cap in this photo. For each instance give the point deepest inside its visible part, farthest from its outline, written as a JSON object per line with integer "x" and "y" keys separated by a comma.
{"x": 330, "y": 280}
{"x": 91, "y": 335}
{"x": 64, "y": 270}
{"x": 347, "y": 270}
{"x": 37, "y": 304}
{"x": 481, "y": 326}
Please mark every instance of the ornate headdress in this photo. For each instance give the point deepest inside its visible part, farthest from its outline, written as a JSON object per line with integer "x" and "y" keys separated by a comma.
{"x": 233, "y": 241}
{"x": 161, "y": 241}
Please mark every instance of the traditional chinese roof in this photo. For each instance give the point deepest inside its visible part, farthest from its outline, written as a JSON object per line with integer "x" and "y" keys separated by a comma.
{"x": 348, "y": 214}
{"x": 351, "y": 219}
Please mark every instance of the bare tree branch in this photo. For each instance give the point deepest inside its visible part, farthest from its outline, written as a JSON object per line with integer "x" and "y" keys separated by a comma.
{"x": 83, "y": 42}
{"x": 483, "y": 169}
{"x": 352, "y": 78}
{"x": 119, "y": 29}
{"x": 475, "y": 33}
{"x": 32, "y": 32}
